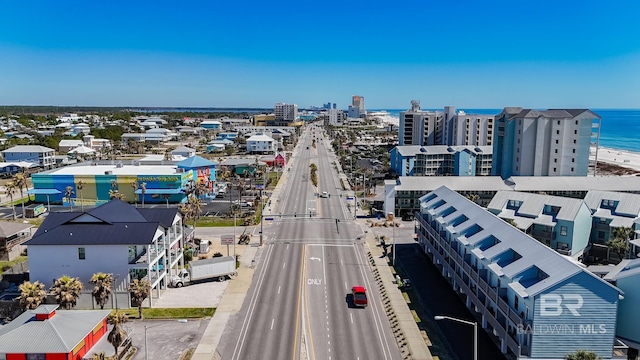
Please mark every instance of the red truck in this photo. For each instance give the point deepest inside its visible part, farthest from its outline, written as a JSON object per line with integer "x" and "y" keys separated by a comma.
{"x": 359, "y": 294}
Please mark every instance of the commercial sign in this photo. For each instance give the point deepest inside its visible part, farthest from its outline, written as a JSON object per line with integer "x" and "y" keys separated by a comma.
{"x": 226, "y": 239}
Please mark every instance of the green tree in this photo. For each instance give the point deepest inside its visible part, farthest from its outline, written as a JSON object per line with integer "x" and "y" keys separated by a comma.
{"x": 582, "y": 355}
{"x": 10, "y": 189}
{"x": 620, "y": 241}
{"x": 101, "y": 288}
{"x": 139, "y": 291}
{"x": 68, "y": 193}
{"x": 66, "y": 291}
{"x": 31, "y": 294}
{"x": 80, "y": 186}
{"x": 117, "y": 335}
{"x": 20, "y": 182}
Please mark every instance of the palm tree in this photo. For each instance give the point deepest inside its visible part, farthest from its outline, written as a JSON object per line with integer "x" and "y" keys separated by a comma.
{"x": 10, "y": 189}
{"x": 192, "y": 209}
{"x": 67, "y": 290}
{"x": 31, "y": 294}
{"x": 68, "y": 192}
{"x": 117, "y": 335}
{"x": 582, "y": 355}
{"x": 620, "y": 241}
{"x": 20, "y": 181}
{"x": 101, "y": 288}
{"x": 115, "y": 194}
{"x": 99, "y": 356}
{"x": 139, "y": 290}
{"x": 167, "y": 153}
{"x": 134, "y": 185}
{"x": 143, "y": 190}
{"x": 166, "y": 197}
{"x": 80, "y": 186}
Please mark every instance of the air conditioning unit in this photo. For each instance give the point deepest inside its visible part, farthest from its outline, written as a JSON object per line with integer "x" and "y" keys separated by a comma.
{"x": 108, "y": 172}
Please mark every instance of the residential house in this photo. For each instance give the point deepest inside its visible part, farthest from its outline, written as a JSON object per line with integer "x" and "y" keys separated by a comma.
{"x": 516, "y": 287}
{"x": 40, "y": 155}
{"x": 441, "y": 160}
{"x": 211, "y": 125}
{"x": 563, "y": 224}
{"x": 114, "y": 238}
{"x": 66, "y": 145}
{"x": 12, "y": 236}
{"x": 51, "y": 333}
{"x": 184, "y": 151}
{"x": 262, "y": 144}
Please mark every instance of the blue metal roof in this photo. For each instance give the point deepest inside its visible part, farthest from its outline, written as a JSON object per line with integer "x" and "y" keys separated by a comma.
{"x": 44, "y": 191}
{"x": 195, "y": 162}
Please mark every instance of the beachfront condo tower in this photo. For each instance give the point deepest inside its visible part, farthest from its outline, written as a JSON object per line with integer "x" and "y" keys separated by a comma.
{"x": 553, "y": 142}
{"x": 418, "y": 127}
{"x": 285, "y": 114}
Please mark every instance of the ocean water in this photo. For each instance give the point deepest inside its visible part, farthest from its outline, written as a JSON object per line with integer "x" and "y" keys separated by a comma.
{"x": 619, "y": 129}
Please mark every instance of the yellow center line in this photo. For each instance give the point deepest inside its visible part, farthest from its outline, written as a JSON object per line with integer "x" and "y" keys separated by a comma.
{"x": 306, "y": 305}
{"x": 295, "y": 337}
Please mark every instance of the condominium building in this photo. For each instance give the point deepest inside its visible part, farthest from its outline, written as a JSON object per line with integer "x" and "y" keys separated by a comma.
{"x": 285, "y": 114}
{"x": 561, "y": 223}
{"x": 536, "y": 303}
{"x": 543, "y": 143}
{"x": 438, "y": 160}
{"x": 467, "y": 129}
{"x": 418, "y": 127}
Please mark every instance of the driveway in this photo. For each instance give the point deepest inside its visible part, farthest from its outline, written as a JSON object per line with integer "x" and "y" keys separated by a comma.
{"x": 203, "y": 294}
{"x": 166, "y": 339}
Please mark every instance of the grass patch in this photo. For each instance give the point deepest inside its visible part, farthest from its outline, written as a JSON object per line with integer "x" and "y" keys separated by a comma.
{"x": 9, "y": 264}
{"x": 406, "y": 297}
{"x": 188, "y": 354}
{"x": 214, "y": 221}
{"x": 170, "y": 313}
{"x": 415, "y": 316}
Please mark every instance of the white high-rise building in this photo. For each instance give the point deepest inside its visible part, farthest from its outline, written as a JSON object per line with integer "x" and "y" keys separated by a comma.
{"x": 285, "y": 114}
{"x": 462, "y": 129}
{"x": 418, "y": 127}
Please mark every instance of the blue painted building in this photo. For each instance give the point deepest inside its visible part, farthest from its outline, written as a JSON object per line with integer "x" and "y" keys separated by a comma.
{"x": 203, "y": 170}
{"x": 626, "y": 277}
{"x": 563, "y": 224}
{"x": 437, "y": 160}
{"x": 535, "y": 302}
{"x": 227, "y": 136}
{"x": 211, "y": 125}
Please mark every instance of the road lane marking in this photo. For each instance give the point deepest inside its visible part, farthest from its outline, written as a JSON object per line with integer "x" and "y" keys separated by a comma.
{"x": 279, "y": 289}
{"x": 283, "y": 265}
{"x": 351, "y": 316}
{"x": 346, "y": 287}
{"x": 272, "y": 322}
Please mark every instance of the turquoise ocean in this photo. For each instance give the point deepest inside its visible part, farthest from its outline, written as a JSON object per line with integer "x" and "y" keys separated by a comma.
{"x": 619, "y": 129}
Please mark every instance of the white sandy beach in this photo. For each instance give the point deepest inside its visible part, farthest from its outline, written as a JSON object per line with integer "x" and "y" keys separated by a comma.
{"x": 624, "y": 158}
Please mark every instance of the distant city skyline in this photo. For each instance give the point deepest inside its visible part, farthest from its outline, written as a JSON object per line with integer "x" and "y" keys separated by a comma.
{"x": 254, "y": 54}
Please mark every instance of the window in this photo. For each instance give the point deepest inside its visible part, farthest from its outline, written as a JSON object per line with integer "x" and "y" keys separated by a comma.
{"x": 573, "y": 160}
{"x": 576, "y": 122}
{"x": 515, "y": 302}
{"x": 81, "y": 254}
{"x": 556, "y": 151}
{"x": 558, "y": 122}
{"x": 573, "y": 151}
{"x": 574, "y": 141}
{"x": 556, "y": 142}
{"x": 575, "y": 132}
{"x": 555, "y": 160}
{"x": 557, "y": 132}
{"x": 554, "y": 169}
{"x": 571, "y": 169}
{"x": 563, "y": 231}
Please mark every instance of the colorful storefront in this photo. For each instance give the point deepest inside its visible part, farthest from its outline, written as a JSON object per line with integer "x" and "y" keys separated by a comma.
{"x": 204, "y": 169}
{"x": 161, "y": 183}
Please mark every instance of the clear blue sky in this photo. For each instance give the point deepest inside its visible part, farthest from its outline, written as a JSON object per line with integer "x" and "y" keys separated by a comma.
{"x": 216, "y": 53}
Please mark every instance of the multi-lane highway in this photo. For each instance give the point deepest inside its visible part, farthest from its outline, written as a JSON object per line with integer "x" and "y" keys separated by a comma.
{"x": 297, "y": 306}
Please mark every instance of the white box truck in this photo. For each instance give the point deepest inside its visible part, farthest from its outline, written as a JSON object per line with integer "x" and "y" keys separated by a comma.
{"x": 217, "y": 267}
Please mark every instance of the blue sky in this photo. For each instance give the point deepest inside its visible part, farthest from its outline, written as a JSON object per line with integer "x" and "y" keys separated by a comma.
{"x": 472, "y": 54}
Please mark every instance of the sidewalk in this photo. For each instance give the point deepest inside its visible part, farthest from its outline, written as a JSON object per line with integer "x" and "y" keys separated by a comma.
{"x": 410, "y": 340}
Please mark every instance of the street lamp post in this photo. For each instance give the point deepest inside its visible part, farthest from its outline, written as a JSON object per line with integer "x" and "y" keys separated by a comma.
{"x": 475, "y": 331}
{"x": 146, "y": 348}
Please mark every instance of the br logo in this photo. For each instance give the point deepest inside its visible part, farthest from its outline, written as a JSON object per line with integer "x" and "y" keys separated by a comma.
{"x": 554, "y": 304}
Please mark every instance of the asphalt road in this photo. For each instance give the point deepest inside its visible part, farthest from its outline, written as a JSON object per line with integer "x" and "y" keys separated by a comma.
{"x": 296, "y": 306}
